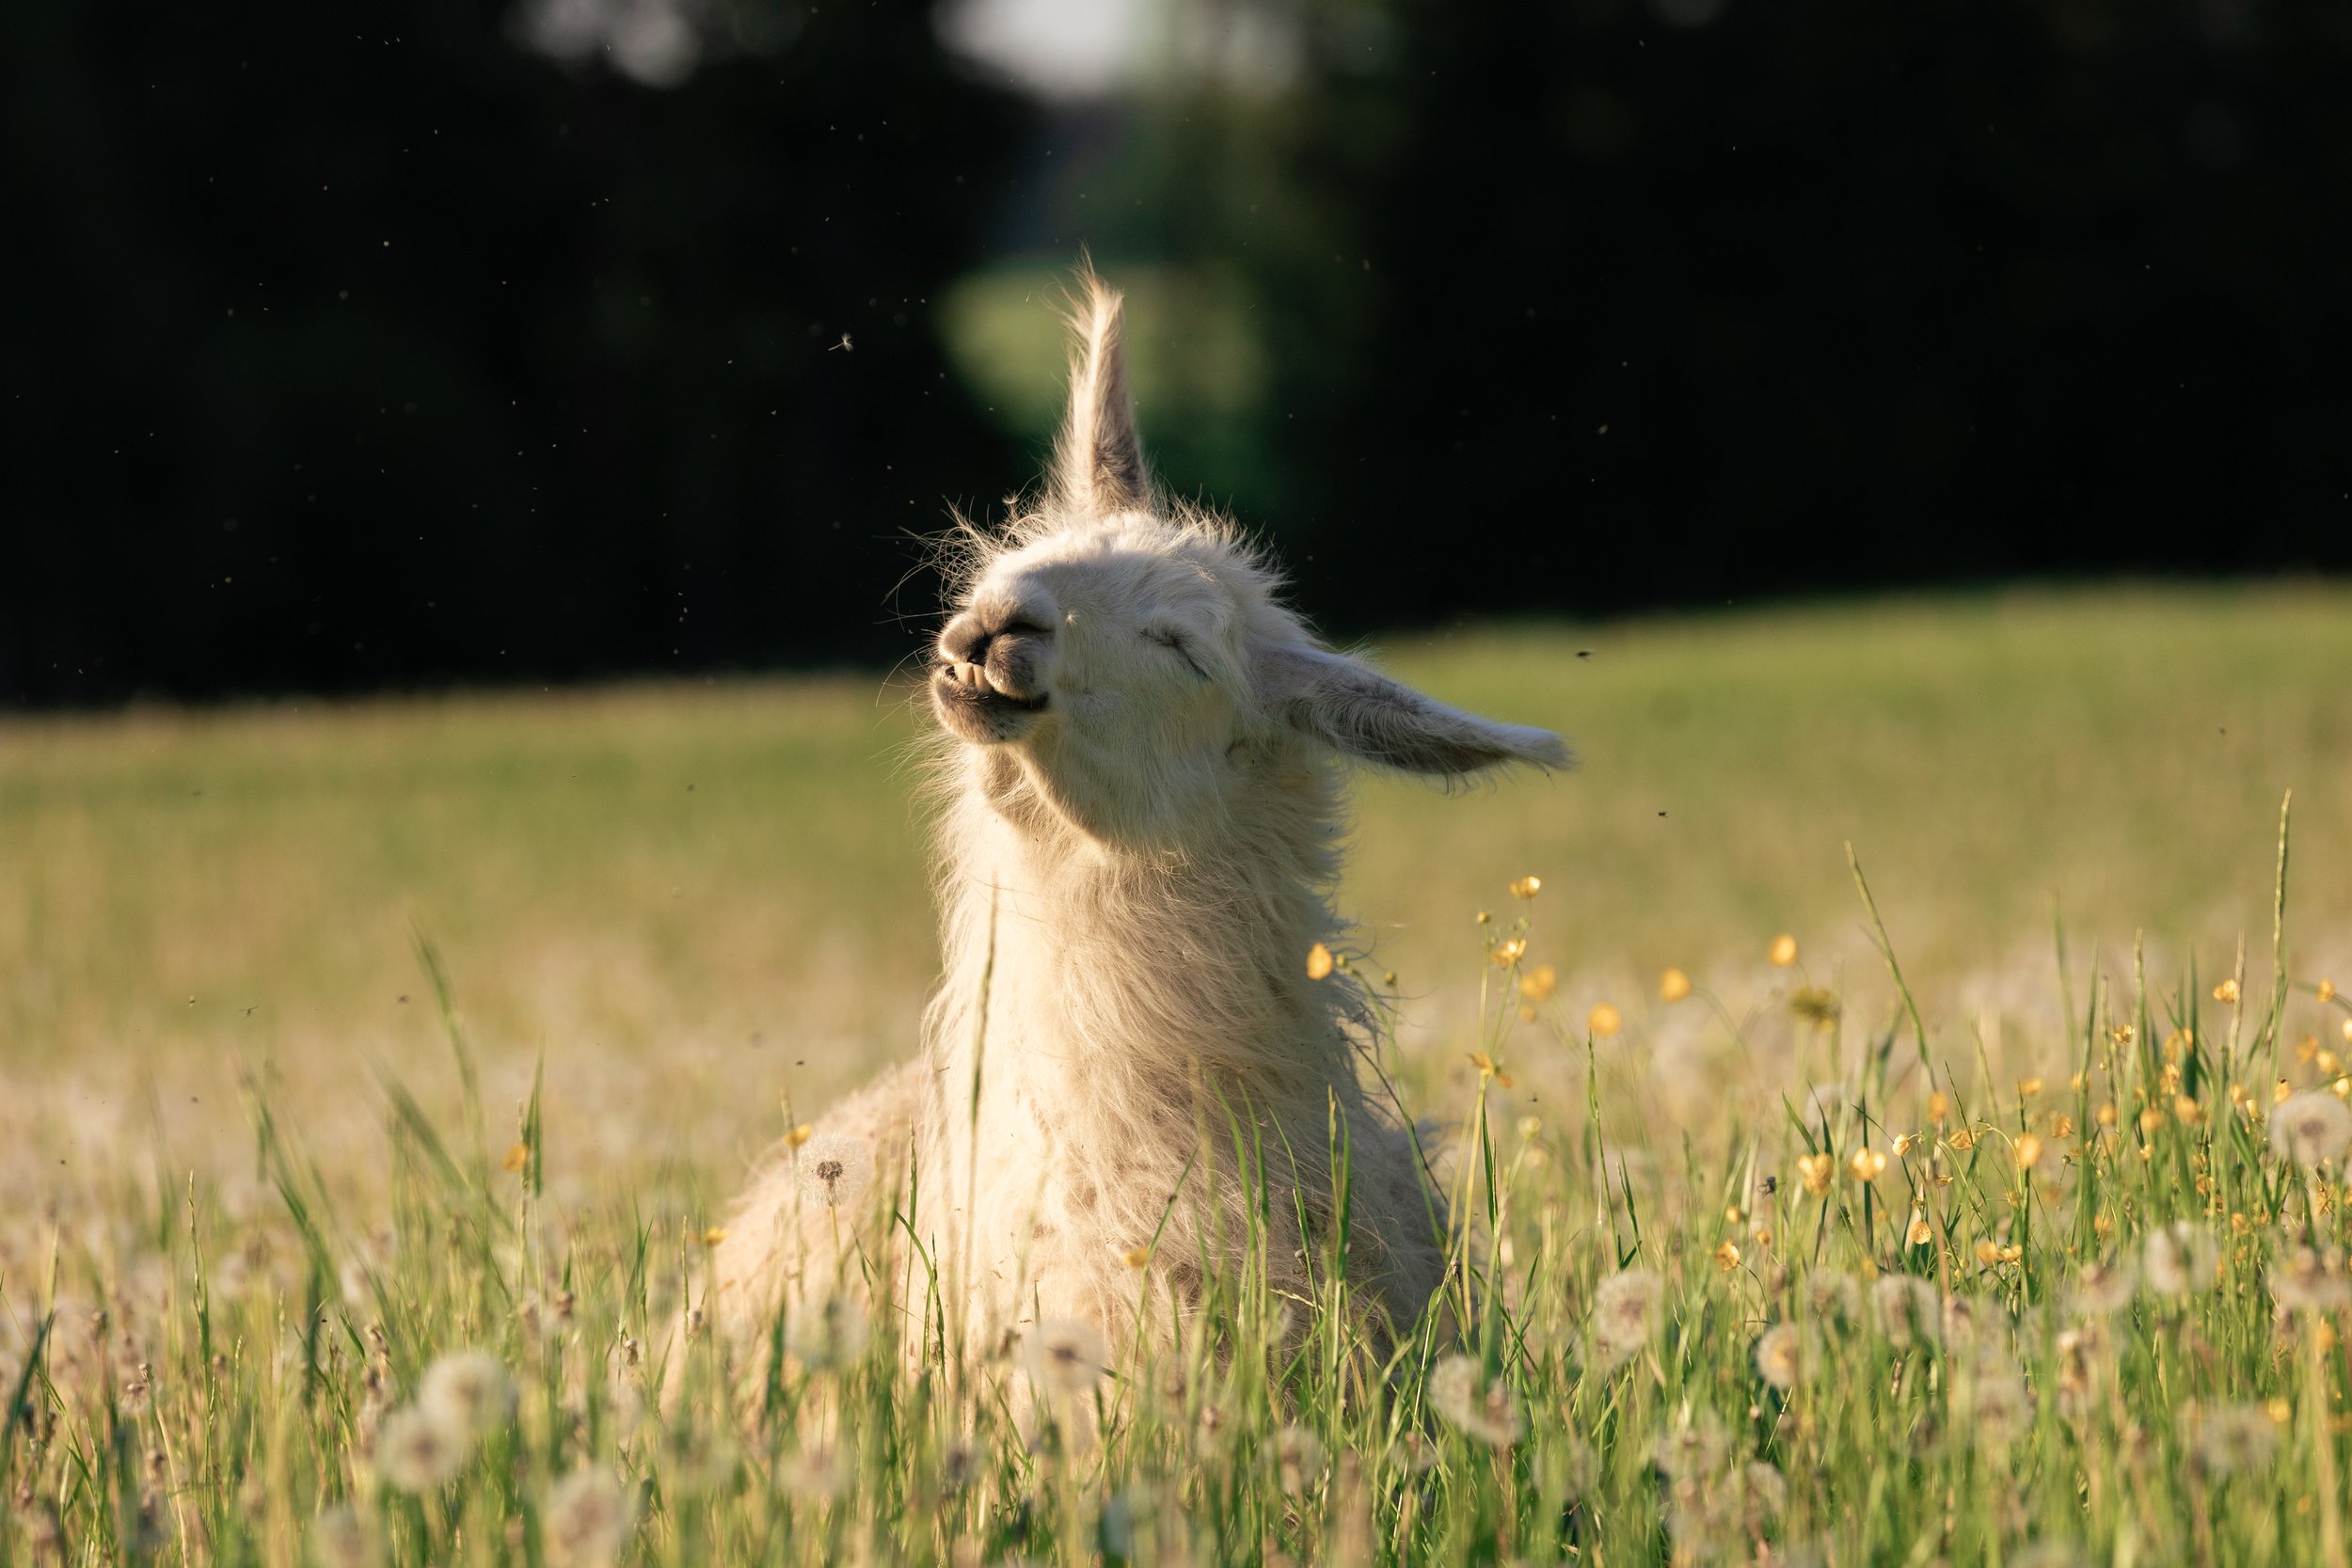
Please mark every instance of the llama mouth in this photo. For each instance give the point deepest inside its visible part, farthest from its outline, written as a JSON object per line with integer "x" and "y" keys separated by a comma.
{"x": 965, "y": 692}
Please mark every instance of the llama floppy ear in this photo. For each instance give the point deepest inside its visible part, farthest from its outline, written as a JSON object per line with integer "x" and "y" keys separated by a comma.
{"x": 1098, "y": 463}
{"x": 1360, "y": 712}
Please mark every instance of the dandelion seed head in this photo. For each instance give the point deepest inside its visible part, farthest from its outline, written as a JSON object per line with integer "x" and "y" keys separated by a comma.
{"x": 2179, "y": 1260}
{"x": 1834, "y": 1296}
{"x": 834, "y": 1171}
{"x": 2305, "y": 1280}
{"x": 2232, "y": 1439}
{"x": 1296, "y": 1455}
{"x": 1999, "y": 1409}
{"x": 339, "y": 1539}
{"x": 829, "y": 1333}
{"x": 1695, "y": 1448}
{"x": 1906, "y": 1309}
{"x": 1763, "y": 1494}
{"x": 2312, "y": 1129}
{"x": 1780, "y": 1355}
{"x": 470, "y": 1390}
{"x": 419, "y": 1450}
{"x": 1461, "y": 1394}
{"x": 590, "y": 1518}
{"x": 1065, "y": 1357}
{"x": 2105, "y": 1287}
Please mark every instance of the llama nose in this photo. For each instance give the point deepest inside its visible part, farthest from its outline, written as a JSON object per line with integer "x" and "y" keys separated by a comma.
{"x": 965, "y": 638}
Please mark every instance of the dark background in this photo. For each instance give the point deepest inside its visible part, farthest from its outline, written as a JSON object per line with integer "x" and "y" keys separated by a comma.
{"x": 357, "y": 347}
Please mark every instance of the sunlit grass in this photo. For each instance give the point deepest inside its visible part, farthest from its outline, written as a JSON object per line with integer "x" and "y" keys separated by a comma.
{"x": 234, "y": 1241}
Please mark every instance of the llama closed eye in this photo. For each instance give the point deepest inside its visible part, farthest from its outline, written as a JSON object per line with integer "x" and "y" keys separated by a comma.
{"x": 1174, "y": 642}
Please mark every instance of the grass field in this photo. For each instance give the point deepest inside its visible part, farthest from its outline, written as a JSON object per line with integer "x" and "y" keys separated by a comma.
{"x": 702, "y": 909}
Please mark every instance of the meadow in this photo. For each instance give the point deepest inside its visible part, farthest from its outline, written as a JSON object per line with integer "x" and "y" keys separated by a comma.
{"x": 378, "y": 1072}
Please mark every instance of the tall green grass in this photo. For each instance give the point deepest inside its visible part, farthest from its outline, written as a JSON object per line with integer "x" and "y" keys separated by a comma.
{"x": 1888, "y": 1302}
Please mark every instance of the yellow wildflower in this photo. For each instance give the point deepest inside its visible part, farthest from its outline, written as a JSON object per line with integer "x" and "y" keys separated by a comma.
{"x": 1921, "y": 1232}
{"x": 713, "y": 1236}
{"x": 1784, "y": 951}
{"x": 1817, "y": 1171}
{"x": 1867, "y": 1163}
{"x": 1961, "y": 1140}
{"x": 2186, "y": 1107}
{"x": 2107, "y": 1113}
{"x": 1673, "y": 985}
{"x": 2326, "y": 991}
{"x": 2027, "y": 1149}
{"x": 1727, "y": 1257}
{"x": 799, "y": 1135}
{"x": 1135, "y": 1257}
{"x": 1507, "y": 952}
{"x": 1905, "y": 1143}
{"x": 1538, "y": 983}
{"x": 1526, "y": 887}
{"x": 1603, "y": 1021}
{"x": 1319, "y": 963}
{"x": 516, "y": 1157}
{"x": 2226, "y": 992}
{"x": 2028, "y": 1087}
{"x": 1939, "y": 1106}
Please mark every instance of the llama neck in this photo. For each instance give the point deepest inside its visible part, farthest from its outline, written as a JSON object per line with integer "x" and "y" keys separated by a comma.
{"x": 1120, "y": 973}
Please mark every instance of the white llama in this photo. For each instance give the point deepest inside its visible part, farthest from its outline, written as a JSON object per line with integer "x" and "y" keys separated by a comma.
{"x": 1142, "y": 757}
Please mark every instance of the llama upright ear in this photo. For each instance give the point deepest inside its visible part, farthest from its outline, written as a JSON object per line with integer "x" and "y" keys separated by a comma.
{"x": 1098, "y": 463}
{"x": 1362, "y": 713}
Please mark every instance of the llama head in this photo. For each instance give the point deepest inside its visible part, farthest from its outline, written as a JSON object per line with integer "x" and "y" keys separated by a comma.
{"x": 1127, "y": 663}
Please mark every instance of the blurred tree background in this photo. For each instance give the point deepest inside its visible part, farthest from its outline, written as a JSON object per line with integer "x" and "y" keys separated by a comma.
{"x": 397, "y": 345}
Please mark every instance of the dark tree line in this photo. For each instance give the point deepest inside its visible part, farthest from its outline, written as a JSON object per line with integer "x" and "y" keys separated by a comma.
{"x": 362, "y": 346}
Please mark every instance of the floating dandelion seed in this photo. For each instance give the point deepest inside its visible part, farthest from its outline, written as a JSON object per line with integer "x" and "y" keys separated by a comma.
{"x": 1784, "y": 951}
{"x": 1526, "y": 887}
{"x": 834, "y": 1171}
{"x": 589, "y": 1520}
{"x": 1780, "y": 1355}
{"x": 1065, "y": 1355}
{"x": 1906, "y": 1309}
{"x": 830, "y": 1333}
{"x": 2305, "y": 1280}
{"x": 2314, "y": 1128}
{"x": 419, "y": 1450}
{"x": 1297, "y": 1457}
{"x": 468, "y": 1390}
{"x": 1319, "y": 964}
{"x": 1603, "y": 1021}
{"x": 1673, "y": 985}
{"x": 1538, "y": 983}
{"x": 2232, "y": 1439}
{"x": 2104, "y": 1287}
{"x": 2179, "y": 1260}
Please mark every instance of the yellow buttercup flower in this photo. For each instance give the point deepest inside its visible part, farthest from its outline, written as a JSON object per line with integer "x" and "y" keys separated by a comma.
{"x": 799, "y": 1135}
{"x": 1526, "y": 887}
{"x": 1507, "y": 952}
{"x": 2028, "y": 1087}
{"x": 1961, "y": 1140}
{"x": 1939, "y": 1106}
{"x": 1603, "y": 1021}
{"x": 1784, "y": 951}
{"x": 2326, "y": 991}
{"x": 1135, "y": 1257}
{"x": 1817, "y": 1171}
{"x": 2226, "y": 992}
{"x": 1538, "y": 984}
{"x": 1727, "y": 1257}
{"x": 1319, "y": 963}
{"x": 1921, "y": 1232}
{"x": 2027, "y": 1149}
{"x": 516, "y": 1157}
{"x": 713, "y": 1236}
{"x": 2188, "y": 1110}
{"x": 1673, "y": 985}
{"x": 1905, "y": 1143}
{"x": 1867, "y": 1163}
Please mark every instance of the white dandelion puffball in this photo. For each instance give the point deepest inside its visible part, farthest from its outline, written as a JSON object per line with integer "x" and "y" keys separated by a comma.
{"x": 471, "y": 1391}
{"x": 2179, "y": 1259}
{"x": 1625, "y": 1316}
{"x": 1297, "y": 1457}
{"x": 590, "y": 1518}
{"x": 1780, "y": 1356}
{"x": 1694, "y": 1449}
{"x": 2314, "y": 1128}
{"x": 1065, "y": 1357}
{"x": 1460, "y": 1392}
{"x": 417, "y": 1449}
{"x": 2305, "y": 1280}
{"x": 2103, "y": 1289}
{"x": 1906, "y": 1308}
{"x": 2232, "y": 1439}
{"x": 834, "y": 1171}
{"x": 339, "y": 1539}
{"x": 830, "y": 1333}
{"x": 1999, "y": 1409}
